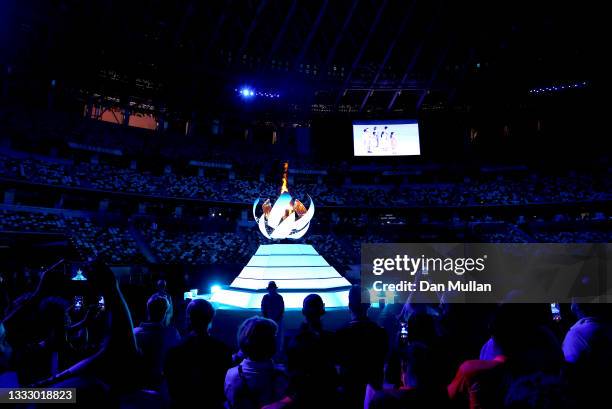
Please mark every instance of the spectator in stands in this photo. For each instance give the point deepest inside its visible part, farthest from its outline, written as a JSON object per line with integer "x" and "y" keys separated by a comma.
{"x": 46, "y": 352}
{"x": 310, "y": 358}
{"x": 541, "y": 391}
{"x": 538, "y": 315}
{"x": 362, "y": 349}
{"x": 422, "y": 327}
{"x": 163, "y": 292}
{"x": 272, "y": 304}
{"x": 195, "y": 369}
{"x": 256, "y": 381}
{"x": 5, "y": 350}
{"x": 587, "y": 348}
{"x": 8, "y": 377}
{"x": 5, "y": 301}
{"x": 273, "y": 307}
{"x": 313, "y": 310}
{"x": 464, "y": 329}
{"x": 526, "y": 347}
{"x": 588, "y": 340}
{"x": 112, "y": 369}
{"x": 421, "y": 387}
{"x": 154, "y": 339}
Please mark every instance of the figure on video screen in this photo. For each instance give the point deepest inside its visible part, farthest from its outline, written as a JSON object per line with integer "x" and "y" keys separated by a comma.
{"x": 393, "y": 140}
{"x": 384, "y": 135}
{"x": 367, "y": 141}
{"x": 374, "y": 137}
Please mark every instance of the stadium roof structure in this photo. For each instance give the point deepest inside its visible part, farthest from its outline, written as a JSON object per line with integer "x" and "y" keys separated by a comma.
{"x": 340, "y": 56}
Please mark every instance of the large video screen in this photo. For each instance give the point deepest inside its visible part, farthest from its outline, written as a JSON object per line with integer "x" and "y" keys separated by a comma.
{"x": 386, "y": 138}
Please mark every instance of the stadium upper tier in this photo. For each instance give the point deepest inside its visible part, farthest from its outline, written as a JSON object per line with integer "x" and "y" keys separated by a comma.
{"x": 225, "y": 186}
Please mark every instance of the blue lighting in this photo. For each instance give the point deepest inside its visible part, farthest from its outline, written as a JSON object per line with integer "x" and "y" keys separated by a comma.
{"x": 247, "y": 92}
{"x": 215, "y": 288}
{"x": 557, "y": 88}
{"x": 298, "y": 269}
{"x": 191, "y": 294}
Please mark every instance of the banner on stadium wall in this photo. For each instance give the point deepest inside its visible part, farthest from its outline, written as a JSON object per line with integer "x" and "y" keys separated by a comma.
{"x": 298, "y": 171}
{"x": 93, "y": 148}
{"x": 216, "y": 165}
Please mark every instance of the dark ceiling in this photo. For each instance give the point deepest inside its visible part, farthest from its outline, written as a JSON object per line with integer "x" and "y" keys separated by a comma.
{"x": 356, "y": 55}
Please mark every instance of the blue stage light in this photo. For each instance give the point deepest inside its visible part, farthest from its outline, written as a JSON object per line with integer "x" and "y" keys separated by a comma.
{"x": 215, "y": 288}
{"x": 191, "y": 294}
{"x": 246, "y": 92}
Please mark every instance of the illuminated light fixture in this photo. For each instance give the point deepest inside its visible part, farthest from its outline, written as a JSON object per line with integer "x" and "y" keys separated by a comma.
{"x": 247, "y": 92}
{"x": 557, "y": 88}
{"x": 192, "y": 294}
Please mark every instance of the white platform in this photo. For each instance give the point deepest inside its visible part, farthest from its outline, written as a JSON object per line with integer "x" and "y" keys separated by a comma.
{"x": 297, "y": 269}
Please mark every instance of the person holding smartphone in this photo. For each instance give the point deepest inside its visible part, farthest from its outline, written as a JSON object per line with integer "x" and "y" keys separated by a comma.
{"x": 113, "y": 368}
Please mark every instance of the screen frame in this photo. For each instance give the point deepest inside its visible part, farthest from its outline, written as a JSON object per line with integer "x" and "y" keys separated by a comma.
{"x": 376, "y": 122}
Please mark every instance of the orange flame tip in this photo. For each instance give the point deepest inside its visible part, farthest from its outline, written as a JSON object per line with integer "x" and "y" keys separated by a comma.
{"x": 284, "y": 188}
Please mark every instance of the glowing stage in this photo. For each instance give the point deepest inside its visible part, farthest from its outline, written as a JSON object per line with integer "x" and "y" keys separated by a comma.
{"x": 297, "y": 269}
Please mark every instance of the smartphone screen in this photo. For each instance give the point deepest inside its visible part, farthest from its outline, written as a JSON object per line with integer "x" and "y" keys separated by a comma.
{"x": 79, "y": 275}
{"x": 556, "y": 311}
{"x": 403, "y": 330}
{"x": 78, "y": 302}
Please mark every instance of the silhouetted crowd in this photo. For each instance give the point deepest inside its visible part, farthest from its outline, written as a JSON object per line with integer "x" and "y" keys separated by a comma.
{"x": 431, "y": 355}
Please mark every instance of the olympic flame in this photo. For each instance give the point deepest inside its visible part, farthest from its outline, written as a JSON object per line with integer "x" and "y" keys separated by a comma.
{"x": 287, "y": 218}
